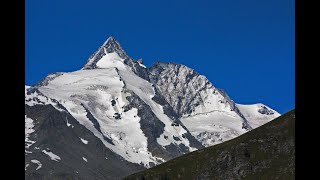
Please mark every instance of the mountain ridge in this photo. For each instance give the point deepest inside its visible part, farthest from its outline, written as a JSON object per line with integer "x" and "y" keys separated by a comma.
{"x": 171, "y": 109}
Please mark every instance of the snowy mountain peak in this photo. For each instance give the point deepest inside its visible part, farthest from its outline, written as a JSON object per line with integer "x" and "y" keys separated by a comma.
{"x": 110, "y": 50}
{"x": 111, "y": 45}
{"x": 122, "y": 111}
{"x": 110, "y": 39}
{"x": 110, "y": 55}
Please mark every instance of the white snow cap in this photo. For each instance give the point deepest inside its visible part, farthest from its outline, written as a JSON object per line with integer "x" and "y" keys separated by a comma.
{"x": 110, "y": 54}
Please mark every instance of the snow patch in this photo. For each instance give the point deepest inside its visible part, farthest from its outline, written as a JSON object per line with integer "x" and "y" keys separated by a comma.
{"x": 37, "y": 162}
{"x": 28, "y": 130}
{"x": 25, "y": 168}
{"x": 111, "y": 60}
{"x": 142, "y": 65}
{"x": 214, "y": 127}
{"x": 84, "y": 141}
{"x": 51, "y": 155}
{"x": 35, "y": 98}
{"x": 68, "y": 124}
{"x": 254, "y": 117}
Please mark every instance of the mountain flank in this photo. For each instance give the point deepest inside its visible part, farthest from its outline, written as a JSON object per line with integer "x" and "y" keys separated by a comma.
{"x": 267, "y": 152}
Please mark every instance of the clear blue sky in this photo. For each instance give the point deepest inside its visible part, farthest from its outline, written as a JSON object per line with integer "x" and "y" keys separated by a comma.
{"x": 245, "y": 47}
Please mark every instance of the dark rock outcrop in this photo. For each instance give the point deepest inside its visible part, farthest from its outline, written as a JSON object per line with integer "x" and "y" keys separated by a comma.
{"x": 52, "y": 134}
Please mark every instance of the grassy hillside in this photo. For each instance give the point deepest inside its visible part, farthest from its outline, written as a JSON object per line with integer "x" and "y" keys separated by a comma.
{"x": 267, "y": 152}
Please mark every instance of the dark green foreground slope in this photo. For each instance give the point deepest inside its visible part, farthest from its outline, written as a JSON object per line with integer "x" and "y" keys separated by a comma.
{"x": 267, "y": 152}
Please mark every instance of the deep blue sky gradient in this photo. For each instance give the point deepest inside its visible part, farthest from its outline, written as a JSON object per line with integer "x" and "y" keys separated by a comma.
{"x": 245, "y": 47}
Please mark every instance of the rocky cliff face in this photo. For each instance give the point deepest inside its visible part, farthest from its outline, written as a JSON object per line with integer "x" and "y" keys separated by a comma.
{"x": 139, "y": 116}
